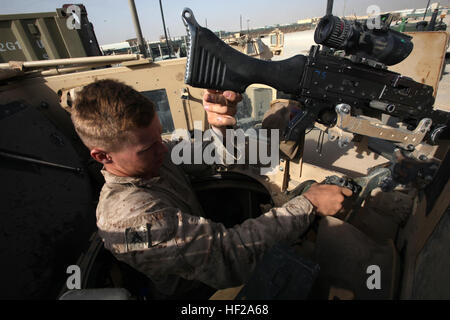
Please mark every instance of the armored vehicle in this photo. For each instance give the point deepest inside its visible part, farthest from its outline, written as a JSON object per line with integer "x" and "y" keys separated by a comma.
{"x": 399, "y": 224}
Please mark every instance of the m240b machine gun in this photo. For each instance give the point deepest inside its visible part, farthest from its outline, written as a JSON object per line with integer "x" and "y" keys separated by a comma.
{"x": 336, "y": 90}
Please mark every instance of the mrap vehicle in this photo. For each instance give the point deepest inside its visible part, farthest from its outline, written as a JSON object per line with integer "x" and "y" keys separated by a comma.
{"x": 399, "y": 223}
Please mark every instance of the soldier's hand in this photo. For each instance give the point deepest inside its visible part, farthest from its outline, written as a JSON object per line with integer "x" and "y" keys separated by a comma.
{"x": 221, "y": 107}
{"x": 327, "y": 199}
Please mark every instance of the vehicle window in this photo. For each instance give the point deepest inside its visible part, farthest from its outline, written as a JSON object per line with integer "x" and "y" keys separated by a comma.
{"x": 273, "y": 40}
{"x": 255, "y": 102}
{"x": 250, "y": 49}
{"x": 159, "y": 97}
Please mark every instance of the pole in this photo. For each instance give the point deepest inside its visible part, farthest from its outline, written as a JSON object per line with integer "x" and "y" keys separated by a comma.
{"x": 137, "y": 27}
{"x": 241, "y": 24}
{"x": 328, "y": 13}
{"x": 170, "y": 41}
{"x": 72, "y": 61}
{"x": 149, "y": 50}
{"x": 329, "y": 7}
{"x": 428, "y": 4}
{"x": 168, "y": 34}
{"x": 164, "y": 26}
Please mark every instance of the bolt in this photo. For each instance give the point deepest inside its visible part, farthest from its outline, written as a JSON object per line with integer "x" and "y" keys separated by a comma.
{"x": 343, "y": 108}
{"x": 281, "y": 169}
{"x": 44, "y": 105}
{"x": 423, "y": 157}
{"x": 410, "y": 147}
{"x": 343, "y": 143}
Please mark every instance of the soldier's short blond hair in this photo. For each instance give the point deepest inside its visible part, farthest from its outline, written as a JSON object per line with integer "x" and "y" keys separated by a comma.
{"x": 106, "y": 111}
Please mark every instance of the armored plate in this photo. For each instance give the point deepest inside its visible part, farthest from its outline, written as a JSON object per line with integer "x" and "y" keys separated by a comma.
{"x": 47, "y": 213}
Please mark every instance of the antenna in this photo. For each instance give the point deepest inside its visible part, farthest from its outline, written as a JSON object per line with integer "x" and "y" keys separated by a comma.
{"x": 329, "y": 7}
{"x": 137, "y": 27}
{"x": 165, "y": 32}
{"x": 426, "y": 9}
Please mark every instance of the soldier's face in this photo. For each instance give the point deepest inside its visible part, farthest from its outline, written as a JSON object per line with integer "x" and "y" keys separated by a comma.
{"x": 144, "y": 155}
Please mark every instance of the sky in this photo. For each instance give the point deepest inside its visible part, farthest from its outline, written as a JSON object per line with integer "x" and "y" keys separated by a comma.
{"x": 112, "y": 18}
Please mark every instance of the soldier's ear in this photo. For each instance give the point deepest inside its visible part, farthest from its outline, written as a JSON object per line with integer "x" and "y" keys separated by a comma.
{"x": 101, "y": 156}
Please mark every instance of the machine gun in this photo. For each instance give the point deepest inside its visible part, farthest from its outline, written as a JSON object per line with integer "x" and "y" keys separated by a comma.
{"x": 337, "y": 91}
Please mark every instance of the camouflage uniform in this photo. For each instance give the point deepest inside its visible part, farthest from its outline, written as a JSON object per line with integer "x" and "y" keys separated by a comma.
{"x": 158, "y": 227}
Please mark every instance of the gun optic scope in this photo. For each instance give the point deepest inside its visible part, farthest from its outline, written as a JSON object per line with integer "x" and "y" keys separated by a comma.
{"x": 361, "y": 39}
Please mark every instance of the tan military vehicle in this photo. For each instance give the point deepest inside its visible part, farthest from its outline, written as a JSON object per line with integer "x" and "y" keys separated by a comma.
{"x": 253, "y": 47}
{"x": 50, "y": 189}
{"x": 276, "y": 38}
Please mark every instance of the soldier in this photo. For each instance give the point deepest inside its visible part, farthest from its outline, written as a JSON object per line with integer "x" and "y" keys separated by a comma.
{"x": 148, "y": 215}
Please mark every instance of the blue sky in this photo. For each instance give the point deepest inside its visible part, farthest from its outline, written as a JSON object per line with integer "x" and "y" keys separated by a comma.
{"x": 112, "y": 18}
